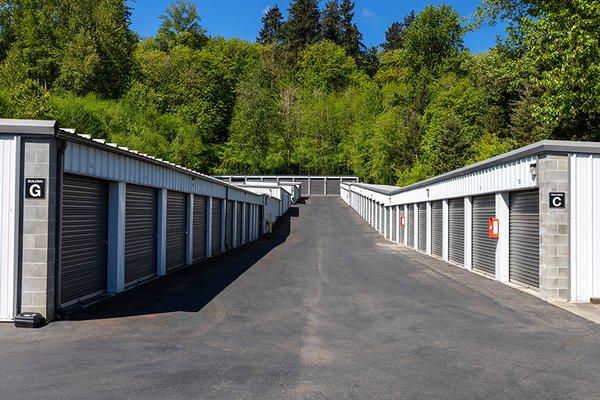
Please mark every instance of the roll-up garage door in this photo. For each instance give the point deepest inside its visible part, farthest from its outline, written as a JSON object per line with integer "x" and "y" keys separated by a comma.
{"x": 394, "y": 223}
{"x": 317, "y": 186}
{"x": 410, "y": 223}
{"x": 238, "y": 224}
{"x": 248, "y": 208}
{"x": 216, "y": 227}
{"x": 484, "y": 248}
{"x": 84, "y": 238}
{"x": 199, "y": 236}
{"x": 270, "y": 180}
{"x": 333, "y": 186}
{"x": 524, "y": 264}
{"x": 176, "y": 227}
{"x": 261, "y": 219}
{"x": 456, "y": 231}
{"x": 422, "y": 226}
{"x": 402, "y": 228}
{"x": 304, "y": 186}
{"x": 436, "y": 228}
{"x": 141, "y": 216}
{"x": 229, "y": 225}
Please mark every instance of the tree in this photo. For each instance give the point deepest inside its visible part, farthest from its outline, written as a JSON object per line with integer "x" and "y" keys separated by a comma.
{"x": 181, "y": 27}
{"x": 272, "y": 29}
{"x": 326, "y": 67}
{"x": 331, "y": 22}
{"x": 394, "y": 36}
{"x": 350, "y": 35}
{"x": 302, "y": 27}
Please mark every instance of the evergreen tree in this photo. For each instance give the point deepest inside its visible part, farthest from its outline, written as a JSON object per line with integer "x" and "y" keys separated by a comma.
{"x": 302, "y": 26}
{"x": 181, "y": 27}
{"x": 331, "y": 22}
{"x": 394, "y": 36}
{"x": 271, "y": 31}
{"x": 351, "y": 36}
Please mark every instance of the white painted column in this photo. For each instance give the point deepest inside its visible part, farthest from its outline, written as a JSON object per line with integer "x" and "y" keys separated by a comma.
{"x": 428, "y": 229}
{"x": 161, "y": 242}
{"x": 415, "y": 212}
{"x": 116, "y": 236}
{"x": 189, "y": 230}
{"x": 445, "y": 225}
{"x": 235, "y": 217}
{"x": 502, "y": 243}
{"x": 209, "y": 206}
{"x": 223, "y": 216}
{"x": 468, "y": 232}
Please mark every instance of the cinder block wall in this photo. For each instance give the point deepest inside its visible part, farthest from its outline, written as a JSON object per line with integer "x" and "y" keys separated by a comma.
{"x": 39, "y": 227}
{"x": 553, "y": 175}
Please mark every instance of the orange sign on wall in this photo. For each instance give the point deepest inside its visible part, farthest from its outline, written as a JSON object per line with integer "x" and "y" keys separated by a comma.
{"x": 493, "y": 228}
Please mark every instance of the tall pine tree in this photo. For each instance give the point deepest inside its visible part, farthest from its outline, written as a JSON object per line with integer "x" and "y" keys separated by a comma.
{"x": 394, "y": 36}
{"x": 351, "y": 36}
{"x": 302, "y": 27}
{"x": 331, "y": 22}
{"x": 272, "y": 29}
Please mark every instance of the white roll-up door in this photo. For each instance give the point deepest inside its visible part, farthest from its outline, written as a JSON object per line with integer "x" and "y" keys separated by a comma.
{"x": 422, "y": 226}
{"x": 176, "y": 229}
{"x": 456, "y": 228}
{"x": 524, "y": 264}
{"x": 141, "y": 216}
{"x": 199, "y": 236}
{"x": 436, "y": 228}
{"x": 484, "y": 248}
{"x": 84, "y": 239}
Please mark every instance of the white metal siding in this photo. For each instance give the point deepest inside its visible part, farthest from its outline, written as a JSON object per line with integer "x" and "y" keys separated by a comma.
{"x": 584, "y": 203}
{"x": 9, "y": 223}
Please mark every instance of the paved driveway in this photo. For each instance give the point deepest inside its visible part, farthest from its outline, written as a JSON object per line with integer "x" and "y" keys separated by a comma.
{"x": 325, "y": 309}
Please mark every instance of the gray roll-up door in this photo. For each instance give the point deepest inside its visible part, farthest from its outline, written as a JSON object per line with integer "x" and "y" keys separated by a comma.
{"x": 394, "y": 223}
{"x": 317, "y": 186}
{"x": 436, "y": 228}
{"x": 422, "y": 226}
{"x": 484, "y": 248}
{"x": 84, "y": 238}
{"x": 199, "y": 235}
{"x": 141, "y": 216}
{"x": 456, "y": 231}
{"x": 229, "y": 225}
{"x": 238, "y": 224}
{"x": 524, "y": 261}
{"x": 333, "y": 186}
{"x": 176, "y": 229}
{"x": 216, "y": 227}
{"x": 270, "y": 180}
{"x": 303, "y": 186}
{"x": 248, "y": 207}
{"x": 261, "y": 219}
{"x": 401, "y": 228}
{"x": 410, "y": 223}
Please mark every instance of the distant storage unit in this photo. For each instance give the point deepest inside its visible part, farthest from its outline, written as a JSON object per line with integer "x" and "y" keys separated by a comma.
{"x": 82, "y": 219}
{"x": 272, "y": 190}
{"x": 310, "y": 185}
{"x": 530, "y": 217}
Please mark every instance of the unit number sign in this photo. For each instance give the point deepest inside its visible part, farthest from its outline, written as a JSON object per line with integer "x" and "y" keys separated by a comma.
{"x": 35, "y": 188}
{"x": 557, "y": 200}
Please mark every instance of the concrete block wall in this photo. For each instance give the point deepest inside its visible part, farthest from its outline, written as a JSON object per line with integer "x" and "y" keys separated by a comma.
{"x": 553, "y": 176}
{"x": 39, "y": 230}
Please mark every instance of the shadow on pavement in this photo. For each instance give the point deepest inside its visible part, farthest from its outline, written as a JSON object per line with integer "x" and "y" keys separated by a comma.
{"x": 191, "y": 288}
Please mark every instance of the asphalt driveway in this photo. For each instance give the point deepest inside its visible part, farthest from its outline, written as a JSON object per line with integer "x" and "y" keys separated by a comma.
{"x": 323, "y": 309}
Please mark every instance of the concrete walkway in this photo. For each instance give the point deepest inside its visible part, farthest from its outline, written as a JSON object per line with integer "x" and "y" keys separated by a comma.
{"x": 324, "y": 309}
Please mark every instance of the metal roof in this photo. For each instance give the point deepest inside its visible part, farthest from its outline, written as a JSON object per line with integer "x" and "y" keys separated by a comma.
{"x": 382, "y": 189}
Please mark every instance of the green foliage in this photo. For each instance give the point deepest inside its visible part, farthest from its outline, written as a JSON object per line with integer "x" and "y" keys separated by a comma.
{"x": 302, "y": 27}
{"x": 181, "y": 27}
{"x": 326, "y": 66}
{"x": 272, "y": 28}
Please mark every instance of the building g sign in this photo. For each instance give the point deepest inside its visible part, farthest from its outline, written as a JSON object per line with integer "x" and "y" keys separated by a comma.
{"x": 557, "y": 200}
{"x": 35, "y": 188}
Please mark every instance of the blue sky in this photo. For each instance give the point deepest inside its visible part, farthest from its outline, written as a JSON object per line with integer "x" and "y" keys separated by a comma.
{"x": 241, "y": 18}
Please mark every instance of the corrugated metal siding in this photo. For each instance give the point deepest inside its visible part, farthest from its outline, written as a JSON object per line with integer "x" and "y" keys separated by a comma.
{"x": 304, "y": 186}
{"x": 141, "y": 216}
{"x": 248, "y": 209}
{"x": 238, "y": 224}
{"x": 402, "y": 228}
{"x": 524, "y": 239}
{"x": 484, "y": 248}
{"x": 456, "y": 228}
{"x": 216, "y": 226}
{"x": 333, "y": 186}
{"x": 199, "y": 226}
{"x": 84, "y": 238}
{"x": 410, "y": 223}
{"x": 9, "y": 223}
{"x": 317, "y": 186}
{"x": 436, "y": 228}
{"x": 422, "y": 226}
{"x": 394, "y": 223}
{"x": 229, "y": 225}
{"x": 176, "y": 229}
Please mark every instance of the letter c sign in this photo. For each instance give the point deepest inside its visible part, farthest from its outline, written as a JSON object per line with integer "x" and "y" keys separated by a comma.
{"x": 557, "y": 200}
{"x": 35, "y": 188}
